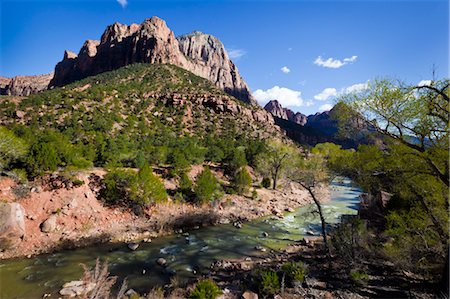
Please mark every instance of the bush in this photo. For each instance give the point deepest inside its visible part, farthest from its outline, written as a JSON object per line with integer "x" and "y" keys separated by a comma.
{"x": 185, "y": 184}
{"x": 205, "y": 289}
{"x": 116, "y": 186}
{"x": 207, "y": 187}
{"x": 11, "y": 147}
{"x": 269, "y": 284}
{"x": 359, "y": 277}
{"x": 147, "y": 188}
{"x": 242, "y": 181}
{"x": 125, "y": 186}
{"x": 237, "y": 160}
{"x": 295, "y": 272}
{"x": 265, "y": 182}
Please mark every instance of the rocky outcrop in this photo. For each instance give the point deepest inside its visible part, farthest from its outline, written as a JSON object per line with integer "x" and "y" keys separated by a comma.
{"x": 275, "y": 108}
{"x": 210, "y": 60}
{"x": 12, "y": 224}
{"x": 153, "y": 42}
{"x": 24, "y": 85}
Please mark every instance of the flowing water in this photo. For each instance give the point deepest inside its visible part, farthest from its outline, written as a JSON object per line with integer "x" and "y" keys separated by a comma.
{"x": 185, "y": 254}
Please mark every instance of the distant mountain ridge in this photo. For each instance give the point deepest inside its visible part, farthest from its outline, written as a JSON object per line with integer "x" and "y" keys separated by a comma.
{"x": 275, "y": 108}
{"x": 319, "y": 127}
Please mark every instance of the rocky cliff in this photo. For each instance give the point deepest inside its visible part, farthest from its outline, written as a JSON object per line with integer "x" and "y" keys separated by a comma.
{"x": 24, "y": 85}
{"x": 153, "y": 42}
{"x": 275, "y": 108}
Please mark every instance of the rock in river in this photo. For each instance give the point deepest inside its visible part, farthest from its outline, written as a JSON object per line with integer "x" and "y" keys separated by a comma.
{"x": 133, "y": 246}
{"x": 76, "y": 288}
{"x": 161, "y": 261}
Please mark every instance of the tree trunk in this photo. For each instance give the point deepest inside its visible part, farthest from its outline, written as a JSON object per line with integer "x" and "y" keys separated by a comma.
{"x": 275, "y": 179}
{"x": 324, "y": 224}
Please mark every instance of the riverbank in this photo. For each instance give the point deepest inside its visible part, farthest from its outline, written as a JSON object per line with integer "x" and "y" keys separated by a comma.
{"x": 61, "y": 215}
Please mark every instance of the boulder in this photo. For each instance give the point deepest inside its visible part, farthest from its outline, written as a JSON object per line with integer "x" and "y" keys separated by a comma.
{"x": 12, "y": 224}
{"x": 133, "y": 246}
{"x": 49, "y": 225}
{"x": 161, "y": 261}
{"x": 76, "y": 288}
{"x": 249, "y": 295}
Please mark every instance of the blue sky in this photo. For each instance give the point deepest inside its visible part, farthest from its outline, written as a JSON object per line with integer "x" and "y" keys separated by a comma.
{"x": 301, "y": 52}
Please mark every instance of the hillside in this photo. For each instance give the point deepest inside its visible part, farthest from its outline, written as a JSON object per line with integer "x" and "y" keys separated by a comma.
{"x": 156, "y": 109}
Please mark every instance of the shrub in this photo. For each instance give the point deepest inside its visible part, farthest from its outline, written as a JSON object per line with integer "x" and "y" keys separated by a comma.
{"x": 265, "y": 182}
{"x": 295, "y": 272}
{"x": 254, "y": 194}
{"x": 185, "y": 184}
{"x": 116, "y": 186}
{"x": 359, "y": 277}
{"x": 11, "y": 147}
{"x": 205, "y": 289}
{"x": 207, "y": 187}
{"x": 147, "y": 188}
{"x": 237, "y": 159}
{"x": 269, "y": 284}
{"x": 242, "y": 181}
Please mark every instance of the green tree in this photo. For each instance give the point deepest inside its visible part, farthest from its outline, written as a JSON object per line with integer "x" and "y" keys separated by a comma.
{"x": 275, "y": 161}
{"x": 147, "y": 188}
{"x": 206, "y": 187}
{"x": 242, "y": 181}
{"x": 11, "y": 147}
{"x": 237, "y": 159}
{"x": 312, "y": 174}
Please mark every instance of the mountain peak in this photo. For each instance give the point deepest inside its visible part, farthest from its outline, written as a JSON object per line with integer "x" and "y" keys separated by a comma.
{"x": 277, "y": 110}
{"x": 153, "y": 42}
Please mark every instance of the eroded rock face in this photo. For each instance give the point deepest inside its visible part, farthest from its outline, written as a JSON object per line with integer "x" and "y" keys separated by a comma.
{"x": 12, "y": 224}
{"x": 24, "y": 85}
{"x": 275, "y": 108}
{"x": 210, "y": 60}
{"x": 153, "y": 42}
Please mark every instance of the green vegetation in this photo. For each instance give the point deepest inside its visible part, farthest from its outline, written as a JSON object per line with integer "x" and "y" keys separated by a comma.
{"x": 242, "y": 181}
{"x": 207, "y": 187}
{"x": 12, "y": 147}
{"x": 265, "y": 183}
{"x": 359, "y": 277}
{"x": 127, "y": 186}
{"x": 274, "y": 160}
{"x": 295, "y": 272}
{"x": 205, "y": 289}
{"x": 269, "y": 284}
{"x": 126, "y": 118}
{"x": 411, "y": 165}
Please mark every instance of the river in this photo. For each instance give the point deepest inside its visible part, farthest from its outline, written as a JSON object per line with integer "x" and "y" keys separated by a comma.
{"x": 187, "y": 254}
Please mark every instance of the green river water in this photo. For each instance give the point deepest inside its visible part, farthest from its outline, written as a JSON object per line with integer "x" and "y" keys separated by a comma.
{"x": 185, "y": 255}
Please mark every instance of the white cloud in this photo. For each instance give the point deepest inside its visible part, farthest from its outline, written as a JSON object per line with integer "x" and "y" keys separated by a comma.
{"x": 286, "y": 96}
{"x": 325, "y": 107}
{"x": 123, "y": 3}
{"x": 236, "y": 53}
{"x": 309, "y": 103}
{"x": 424, "y": 83}
{"x": 334, "y": 63}
{"x": 326, "y": 94}
{"x": 285, "y": 70}
{"x": 356, "y": 88}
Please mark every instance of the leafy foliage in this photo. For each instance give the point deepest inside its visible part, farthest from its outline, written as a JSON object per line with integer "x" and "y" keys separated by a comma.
{"x": 205, "y": 289}
{"x": 269, "y": 283}
{"x": 11, "y": 147}
{"x": 294, "y": 271}
{"x": 207, "y": 187}
{"x": 127, "y": 186}
{"x": 242, "y": 181}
